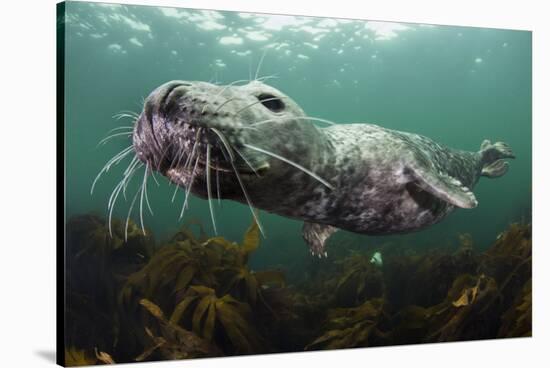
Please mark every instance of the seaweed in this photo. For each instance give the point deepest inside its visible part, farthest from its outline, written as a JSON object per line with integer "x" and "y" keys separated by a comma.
{"x": 220, "y": 318}
{"x": 509, "y": 260}
{"x": 517, "y": 320}
{"x": 352, "y": 327}
{"x": 98, "y": 261}
{"x": 76, "y": 357}
{"x": 439, "y": 297}
{"x": 172, "y": 341}
{"x": 360, "y": 280}
{"x": 188, "y": 261}
{"x": 207, "y": 287}
{"x": 464, "y": 314}
{"x": 197, "y": 296}
{"x": 424, "y": 280}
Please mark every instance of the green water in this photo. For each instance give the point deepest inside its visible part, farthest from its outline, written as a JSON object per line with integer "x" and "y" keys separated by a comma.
{"x": 455, "y": 85}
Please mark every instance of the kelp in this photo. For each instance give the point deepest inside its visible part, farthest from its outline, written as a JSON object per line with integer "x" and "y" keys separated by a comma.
{"x": 517, "y": 320}
{"x": 478, "y": 300}
{"x": 223, "y": 317}
{"x": 359, "y": 281}
{"x": 206, "y": 286}
{"x": 196, "y": 296}
{"x": 492, "y": 301}
{"x": 509, "y": 260}
{"x": 424, "y": 280}
{"x": 352, "y": 327}
{"x": 461, "y": 316}
{"x": 188, "y": 261}
{"x": 76, "y": 357}
{"x": 171, "y": 341}
{"x": 464, "y": 314}
{"x": 98, "y": 261}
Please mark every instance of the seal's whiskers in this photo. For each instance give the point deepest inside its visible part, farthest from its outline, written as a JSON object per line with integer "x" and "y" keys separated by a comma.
{"x": 250, "y": 204}
{"x": 188, "y": 189}
{"x": 193, "y": 151}
{"x": 292, "y": 118}
{"x": 142, "y": 196}
{"x": 218, "y": 191}
{"x": 225, "y": 144}
{"x": 109, "y": 137}
{"x": 126, "y": 114}
{"x": 133, "y": 166}
{"x": 122, "y": 116}
{"x": 227, "y": 147}
{"x": 164, "y": 154}
{"x": 188, "y": 160}
{"x": 229, "y": 85}
{"x": 116, "y": 192}
{"x": 155, "y": 178}
{"x": 179, "y": 155}
{"x": 147, "y": 201}
{"x": 128, "y": 216}
{"x": 131, "y": 170}
{"x": 267, "y": 77}
{"x": 133, "y": 162}
{"x": 260, "y": 64}
{"x": 290, "y": 162}
{"x": 130, "y": 112}
{"x": 209, "y": 188}
{"x": 246, "y": 161}
{"x": 126, "y": 127}
{"x": 225, "y": 103}
{"x": 222, "y": 91}
{"x": 175, "y": 192}
{"x": 182, "y": 152}
{"x": 113, "y": 161}
{"x": 236, "y": 98}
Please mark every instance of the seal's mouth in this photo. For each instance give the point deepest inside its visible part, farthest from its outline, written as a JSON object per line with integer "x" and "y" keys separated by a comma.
{"x": 222, "y": 167}
{"x": 198, "y": 148}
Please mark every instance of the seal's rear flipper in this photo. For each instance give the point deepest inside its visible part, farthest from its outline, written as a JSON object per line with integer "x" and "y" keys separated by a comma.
{"x": 492, "y": 158}
{"x": 496, "y": 169}
{"x": 316, "y": 235}
{"x": 443, "y": 187}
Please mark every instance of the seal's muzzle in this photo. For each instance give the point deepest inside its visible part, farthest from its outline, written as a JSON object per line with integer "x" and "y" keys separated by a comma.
{"x": 180, "y": 120}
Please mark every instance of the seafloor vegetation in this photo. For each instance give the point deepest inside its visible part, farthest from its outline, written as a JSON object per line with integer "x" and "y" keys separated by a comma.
{"x": 196, "y": 296}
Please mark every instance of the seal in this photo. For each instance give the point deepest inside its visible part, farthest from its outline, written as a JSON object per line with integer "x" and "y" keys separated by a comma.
{"x": 253, "y": 144}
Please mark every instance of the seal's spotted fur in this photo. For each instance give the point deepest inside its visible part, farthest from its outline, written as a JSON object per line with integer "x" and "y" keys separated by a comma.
{"x": 376, "y": 180}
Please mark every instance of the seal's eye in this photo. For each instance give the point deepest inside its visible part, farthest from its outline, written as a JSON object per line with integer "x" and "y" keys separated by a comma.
{"x": 271, "y": 102}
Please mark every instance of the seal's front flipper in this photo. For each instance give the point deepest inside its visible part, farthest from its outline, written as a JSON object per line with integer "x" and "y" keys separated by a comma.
{"x": 443, "y": 186}
{"x": 316, "y": 235}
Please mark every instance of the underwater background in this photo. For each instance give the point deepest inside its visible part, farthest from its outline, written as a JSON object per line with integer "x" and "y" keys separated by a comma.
{"x": 455, "y": 85}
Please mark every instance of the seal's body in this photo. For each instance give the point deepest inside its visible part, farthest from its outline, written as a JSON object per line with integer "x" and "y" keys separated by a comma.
{"x": 255, "y": 145}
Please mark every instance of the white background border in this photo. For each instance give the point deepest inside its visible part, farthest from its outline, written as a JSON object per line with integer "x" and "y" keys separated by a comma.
{"x": 27, "y": 148}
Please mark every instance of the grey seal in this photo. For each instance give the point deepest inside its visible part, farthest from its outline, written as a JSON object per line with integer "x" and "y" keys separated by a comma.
{"x": 253, "y": 144}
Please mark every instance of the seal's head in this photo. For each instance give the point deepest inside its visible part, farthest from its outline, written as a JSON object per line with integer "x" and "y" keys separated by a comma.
{"x": 186, "y": 127}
